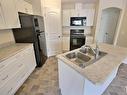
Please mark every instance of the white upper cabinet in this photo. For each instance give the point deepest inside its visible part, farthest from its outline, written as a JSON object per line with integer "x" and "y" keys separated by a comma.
{"x": 8, "y": 14}
{"x": 2, "y": 21}
{"x": 66, "y": 17}
{"x": 24, "y": 7}
{"x": 68, "y": 13}
{"x": 52, "y": 3}
{"x": 74, "y": 13}
{"x": 83, "y": 13}
{"x": 37, "y": 6}
{"x": 90, "y": 17}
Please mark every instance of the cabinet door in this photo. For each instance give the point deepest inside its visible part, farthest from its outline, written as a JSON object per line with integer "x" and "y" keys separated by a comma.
{"x": 52, "y": 3}
{"x": 83, "y": 13}
{"x": 74, "y": 13}
{"x": 37, "y": 7}
{"x": 66, "y": 17}
{"x": 90, "y": 17}
{"x": 28, "y": 8}
{"x": 24, "y": 7}
{"x": 20, "y": 5}
{"x": 2, "y": 21}
{"x": 70, "y": 81}
{"x": 10, "y": 13}
{"x": 66, "y": 43}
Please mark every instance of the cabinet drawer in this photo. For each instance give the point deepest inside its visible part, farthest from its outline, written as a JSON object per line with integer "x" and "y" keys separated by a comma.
{"x": 14, "y": 83}
{"x": 10, "y": 70}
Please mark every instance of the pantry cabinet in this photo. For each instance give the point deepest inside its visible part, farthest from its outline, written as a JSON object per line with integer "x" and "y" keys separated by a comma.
{"x": 8, "y": 14}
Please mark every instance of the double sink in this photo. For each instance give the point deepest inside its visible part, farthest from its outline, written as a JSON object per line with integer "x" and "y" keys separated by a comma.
{"x": 83, "y": 58}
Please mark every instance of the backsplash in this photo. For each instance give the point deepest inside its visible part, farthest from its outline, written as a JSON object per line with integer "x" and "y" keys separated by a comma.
{"x": 6, "y": 37}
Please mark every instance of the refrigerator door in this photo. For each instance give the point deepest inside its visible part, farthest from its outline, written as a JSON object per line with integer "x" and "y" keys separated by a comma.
{"x": 39, "y": 23}
{"x": 42, "y": 41}
{"x": 28, "y": 34}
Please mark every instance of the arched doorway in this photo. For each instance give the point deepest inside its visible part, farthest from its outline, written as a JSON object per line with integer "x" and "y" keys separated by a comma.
{"x": 109, "y": 23}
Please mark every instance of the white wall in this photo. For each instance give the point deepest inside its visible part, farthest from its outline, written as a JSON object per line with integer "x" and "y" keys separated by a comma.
{"x": 122, "y": 38}
{"x": 103, "y": 4}
{"x": 6, "y": 36}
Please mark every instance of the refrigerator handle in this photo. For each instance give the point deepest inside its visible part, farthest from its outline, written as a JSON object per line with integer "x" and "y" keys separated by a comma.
{"x": 38, "y": 38}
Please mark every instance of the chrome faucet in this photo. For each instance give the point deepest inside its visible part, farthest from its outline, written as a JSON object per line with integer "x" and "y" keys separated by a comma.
{"x": 94, "y": 51}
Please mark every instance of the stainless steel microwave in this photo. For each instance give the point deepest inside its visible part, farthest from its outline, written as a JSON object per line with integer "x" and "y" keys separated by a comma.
{"x": 78, "y": 21}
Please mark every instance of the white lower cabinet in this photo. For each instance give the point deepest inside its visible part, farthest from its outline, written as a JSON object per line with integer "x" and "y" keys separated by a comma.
{"x": 66, "y": 43}
{"x": 16, "y": 70}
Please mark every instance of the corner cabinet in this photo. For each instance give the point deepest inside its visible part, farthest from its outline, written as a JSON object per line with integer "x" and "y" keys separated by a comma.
{"x": 15, "y": 70}
{"x": 8, "y": 15}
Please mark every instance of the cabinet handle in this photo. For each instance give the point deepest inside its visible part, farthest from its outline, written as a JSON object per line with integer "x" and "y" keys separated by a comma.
{"x": 2, "y": 66}
{"x": 10, "y": 90}
{"x": 5, "y": 78}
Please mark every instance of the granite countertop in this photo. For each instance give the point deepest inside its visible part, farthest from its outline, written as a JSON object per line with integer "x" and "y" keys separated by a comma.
{"x": 10, "y": 50}
{"x": 98, "y": 72}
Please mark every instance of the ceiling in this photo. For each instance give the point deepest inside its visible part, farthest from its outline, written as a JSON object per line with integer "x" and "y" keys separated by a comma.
{"x": 79, "y": 1}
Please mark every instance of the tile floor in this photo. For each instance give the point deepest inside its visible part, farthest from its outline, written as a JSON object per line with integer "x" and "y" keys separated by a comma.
{"x": 44, "y": 81}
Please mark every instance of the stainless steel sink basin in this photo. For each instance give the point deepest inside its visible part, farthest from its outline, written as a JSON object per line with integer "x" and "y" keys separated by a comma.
{"x": 83, "y": 58}
{"x": 78, "y": 57}
{"x": 89, "y": 52}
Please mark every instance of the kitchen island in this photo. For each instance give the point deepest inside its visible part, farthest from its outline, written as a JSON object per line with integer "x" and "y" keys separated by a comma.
{"x": 93, "y": 79}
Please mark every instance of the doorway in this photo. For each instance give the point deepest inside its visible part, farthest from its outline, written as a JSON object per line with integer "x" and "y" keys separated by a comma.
{"x": 109, "y": 22}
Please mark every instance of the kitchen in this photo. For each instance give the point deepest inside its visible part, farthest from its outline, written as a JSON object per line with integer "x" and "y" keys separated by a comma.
{"x": 53, "y": 45}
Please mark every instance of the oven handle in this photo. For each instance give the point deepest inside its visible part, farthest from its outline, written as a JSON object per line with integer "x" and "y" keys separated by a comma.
{"x": 78, "y": 34}
{"x": 77, "y": 37}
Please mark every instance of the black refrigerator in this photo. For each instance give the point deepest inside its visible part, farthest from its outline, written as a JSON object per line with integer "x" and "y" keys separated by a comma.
{"x": 31, "y": 28}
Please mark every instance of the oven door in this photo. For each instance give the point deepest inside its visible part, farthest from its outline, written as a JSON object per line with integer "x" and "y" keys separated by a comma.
{"x": 76, "y": 42}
